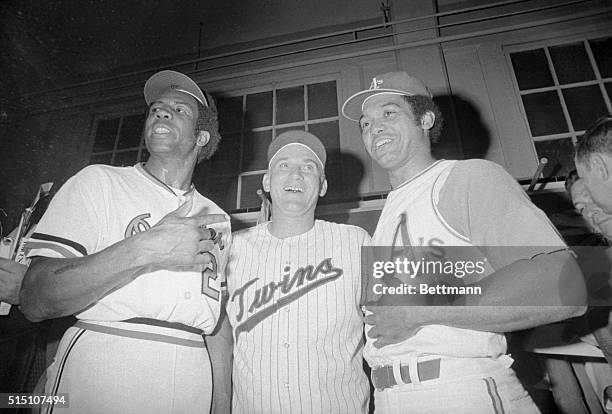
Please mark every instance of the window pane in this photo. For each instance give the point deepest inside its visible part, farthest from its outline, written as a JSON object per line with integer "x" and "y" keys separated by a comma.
{"x": 322, "y": 100}
{"x": 226, "y": 160}
{"x": 259, "y": 110}
{"x": 531, "y": 69}
{"x": 125, "y": 159}
{"x": 131, "y": 131}
{"x": 222, "y": 190}
{"x": 101, "y": 159}
{"x": 585, "y": 105}
{"x": 230, "y": 114}
{"x": 544, "y": 113}
{"x": 560, "y": 154}
{"x": 250, "y": 185}
{"x": 290, "y": 105}
{"x": 329, "y": 135}
{"x": 602, "y": 50}
{"x": 106, "y": 134}
{"x": 608, "y": 87}
{"x": 571, "y": 63}
{"x": 254, "y": 155}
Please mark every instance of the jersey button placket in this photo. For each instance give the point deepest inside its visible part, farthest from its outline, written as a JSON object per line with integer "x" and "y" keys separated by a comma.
{"x": 286, "y": 346}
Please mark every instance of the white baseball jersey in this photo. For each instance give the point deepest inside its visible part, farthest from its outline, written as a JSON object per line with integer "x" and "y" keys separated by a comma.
{"x": 482, "y": 206}
{"x": 294, "y": 309}
{"x": 102, "y": 205}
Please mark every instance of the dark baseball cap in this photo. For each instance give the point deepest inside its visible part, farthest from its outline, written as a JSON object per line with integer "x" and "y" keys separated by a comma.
{"x": 169, "y": 79}
{"x": 396, "y": 83}
{"x": 300, "y": 138}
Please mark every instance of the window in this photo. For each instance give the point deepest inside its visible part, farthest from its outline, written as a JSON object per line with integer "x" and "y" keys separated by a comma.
{"x": 564, "y": 89}
{"x": 249, "y": 121}
{"x": 118, "y": 140}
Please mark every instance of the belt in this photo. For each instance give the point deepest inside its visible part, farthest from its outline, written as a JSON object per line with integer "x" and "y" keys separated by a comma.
{"x": 148, "y": 336}
{"x": 382, "y": 377}
{"x": 165, "y": 324}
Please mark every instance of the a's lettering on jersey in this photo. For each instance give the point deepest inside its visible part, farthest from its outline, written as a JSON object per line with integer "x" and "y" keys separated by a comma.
{"x": 290, "y": 289}
{"x": 137, "y": 224}
{"x": 402, "y": 240}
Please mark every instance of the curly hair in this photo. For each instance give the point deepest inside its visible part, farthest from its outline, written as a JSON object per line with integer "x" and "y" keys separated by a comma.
{"x": 208, "y": 121}
{"x": 420, "y": 105}
{"x": 597, "y": 139}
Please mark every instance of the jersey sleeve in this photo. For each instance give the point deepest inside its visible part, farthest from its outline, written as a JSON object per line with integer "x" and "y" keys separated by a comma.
{"x": 483, "y": 202}
{"x": 364, "y": 240}
{"x": 227, "y": 246}
{"x": 70, "y": 226}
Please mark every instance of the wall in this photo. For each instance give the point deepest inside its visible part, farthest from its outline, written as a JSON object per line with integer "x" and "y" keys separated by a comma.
{"x": 468, "y": 75}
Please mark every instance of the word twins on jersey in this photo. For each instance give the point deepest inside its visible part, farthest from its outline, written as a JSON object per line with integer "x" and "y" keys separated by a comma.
{"x": 103, "y": 205}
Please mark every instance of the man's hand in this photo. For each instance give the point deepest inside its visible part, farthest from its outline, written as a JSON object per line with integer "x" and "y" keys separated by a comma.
{"x": 11, "y": 276}
{"x": 392, "y": 324}
{"x": 180, "y": 241}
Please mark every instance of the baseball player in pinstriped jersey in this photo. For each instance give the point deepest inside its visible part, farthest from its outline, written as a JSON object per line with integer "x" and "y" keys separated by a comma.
{"x": 294, "y": 291}
{"x": 128, "y": 251}
{"x": 448, "y": 359}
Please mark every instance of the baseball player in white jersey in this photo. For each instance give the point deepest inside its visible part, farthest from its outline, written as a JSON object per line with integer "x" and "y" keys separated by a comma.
{"x": 446, "y": 359}
{"x": 138, "y": 255}
{"x": 294, "y": 292}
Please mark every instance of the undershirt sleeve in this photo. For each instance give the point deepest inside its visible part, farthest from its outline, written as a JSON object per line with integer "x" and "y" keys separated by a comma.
{"x": 481, "y": 201}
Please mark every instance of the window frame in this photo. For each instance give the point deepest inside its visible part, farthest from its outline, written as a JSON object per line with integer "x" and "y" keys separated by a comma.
{"x": 572, "y": 133}
{"x": 304, "y": 124}
{"x": 107, "y": 116}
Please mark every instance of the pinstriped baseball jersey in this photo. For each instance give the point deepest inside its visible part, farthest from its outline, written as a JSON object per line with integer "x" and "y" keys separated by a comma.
{"x": 103, "y": 205}
{"x": 297, "y": 325}
{"x": 417, "y": 214}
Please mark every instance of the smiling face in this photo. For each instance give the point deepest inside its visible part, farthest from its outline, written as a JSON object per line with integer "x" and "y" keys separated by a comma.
{"x": 391, "y": 134}
{"x": 170, "y": 127}
{"x": 295, "y": 182}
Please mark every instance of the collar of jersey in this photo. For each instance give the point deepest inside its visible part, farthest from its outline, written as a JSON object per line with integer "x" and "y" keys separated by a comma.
{"x": 141, "y": 169}
{"x": 423, "y": 172}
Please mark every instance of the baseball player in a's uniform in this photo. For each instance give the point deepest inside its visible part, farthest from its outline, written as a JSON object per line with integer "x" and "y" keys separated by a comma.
{"x": 139, "y": 348}
{"x": 294, "y": 292}
{"x": 442, "y": 367}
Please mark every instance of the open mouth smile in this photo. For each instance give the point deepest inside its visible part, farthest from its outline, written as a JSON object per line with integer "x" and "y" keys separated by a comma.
{"x": 381, "y": 143}
{"x": 161, "y": 130}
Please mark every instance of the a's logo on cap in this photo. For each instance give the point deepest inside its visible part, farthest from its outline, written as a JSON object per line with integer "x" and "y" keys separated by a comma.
{"x": 174, "y": 86}
{"x": 376, "y": 83}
